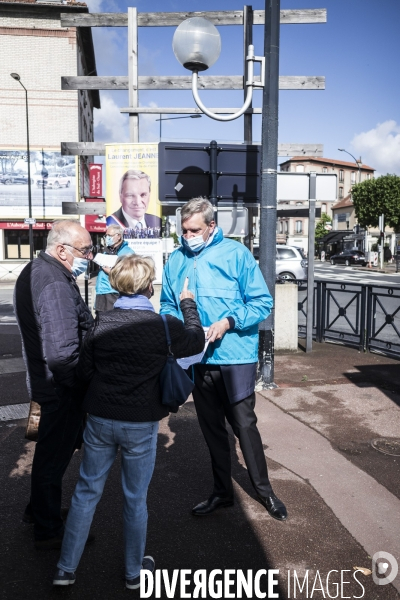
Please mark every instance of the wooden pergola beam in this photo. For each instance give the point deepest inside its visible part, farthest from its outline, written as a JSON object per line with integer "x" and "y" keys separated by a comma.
{"x": 98, "y": 149}
{"x": 182, "y": 82}
{"x": 173, "y": 19}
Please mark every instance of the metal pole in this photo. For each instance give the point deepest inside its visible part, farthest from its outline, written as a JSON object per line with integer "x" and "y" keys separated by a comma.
{"x": 310, "y": 276}
{"x": 269, "y": 165}
{"x": 160, "y": 125}
{"x": 248, "y": 118}
{"x": 213, "y": 177}
{"x": 382, "y": 236}
{"x": 29, "y": 176}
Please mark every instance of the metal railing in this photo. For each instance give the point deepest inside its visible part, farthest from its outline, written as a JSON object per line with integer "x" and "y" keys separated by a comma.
{"x": 366, "y": 317}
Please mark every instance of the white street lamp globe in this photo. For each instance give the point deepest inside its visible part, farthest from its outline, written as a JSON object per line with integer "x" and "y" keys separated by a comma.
{"x": 196, "y": 44}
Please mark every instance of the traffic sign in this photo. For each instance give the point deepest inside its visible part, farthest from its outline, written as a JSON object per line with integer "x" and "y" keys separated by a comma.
{"x": 30, "y": 221}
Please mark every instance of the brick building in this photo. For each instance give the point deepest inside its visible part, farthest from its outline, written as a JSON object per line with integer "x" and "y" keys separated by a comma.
{"x": 34, "y": 45}
{"x": 294, "y": 231}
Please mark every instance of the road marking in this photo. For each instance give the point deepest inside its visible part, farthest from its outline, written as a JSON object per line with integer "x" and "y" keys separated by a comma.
{"x": 12, "y": 365}
{"x": 14, "y": 411}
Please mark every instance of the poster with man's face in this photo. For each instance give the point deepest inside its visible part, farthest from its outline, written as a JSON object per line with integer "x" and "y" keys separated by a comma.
{"x": 132, "y": 189}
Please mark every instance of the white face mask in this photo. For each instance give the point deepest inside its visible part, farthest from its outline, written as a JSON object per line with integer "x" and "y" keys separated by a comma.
{"x": 79, "y": 265}
{"x": 195, "y": 244}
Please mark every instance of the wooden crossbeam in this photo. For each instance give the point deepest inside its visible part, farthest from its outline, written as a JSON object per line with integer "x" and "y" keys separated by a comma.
{"x": 211, "y": 82}
{"x": 173, "y": 19}
{"x": 98, "y": 149}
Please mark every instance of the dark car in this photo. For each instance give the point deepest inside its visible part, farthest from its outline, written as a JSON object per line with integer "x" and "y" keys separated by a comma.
{"x": 10, "y": 178}
{"x": 349, "y": 257}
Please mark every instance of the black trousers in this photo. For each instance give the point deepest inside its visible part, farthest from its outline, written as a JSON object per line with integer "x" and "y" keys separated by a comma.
{"x": 60, "y": 430}
{"x": 212, "y": 407}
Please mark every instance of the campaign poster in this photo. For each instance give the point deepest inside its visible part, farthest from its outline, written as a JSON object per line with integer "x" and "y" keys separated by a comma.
{"x": 52, "y": 180}
{"x": 132, "y": 189}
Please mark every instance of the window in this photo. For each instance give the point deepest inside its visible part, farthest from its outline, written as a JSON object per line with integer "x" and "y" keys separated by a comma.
{"x": 280, "y": 227}
{"x": 286, "y": 253}
{"x": 369, "y": 176}
{"x": 286, "y": 226}
{"x": 324, "y": 169}
{"x": 300, "y": 169}
{"x": 299, "y": 226}
{"x": 323, "y": 208}
{"x": 352, "y": 177}
{"x": 341, "y": 175}
{"x": 340, "y": 192}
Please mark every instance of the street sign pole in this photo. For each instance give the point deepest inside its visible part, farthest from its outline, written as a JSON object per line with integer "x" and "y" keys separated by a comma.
{"x": 269, "y": 165}
{"x": 213, "y": 177}
{"x": 310, "y": 277}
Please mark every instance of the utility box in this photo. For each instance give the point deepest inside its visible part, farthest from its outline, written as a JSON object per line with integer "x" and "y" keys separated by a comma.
{"x": 286, "y": 317}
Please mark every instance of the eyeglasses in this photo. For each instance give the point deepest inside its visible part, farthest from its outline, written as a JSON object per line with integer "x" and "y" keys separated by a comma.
{"x": 84, "y": 251}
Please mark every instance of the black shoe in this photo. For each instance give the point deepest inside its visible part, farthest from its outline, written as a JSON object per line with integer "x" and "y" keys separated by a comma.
{"x": 274, "y": 506}
{"x": 208, "y": 506}
{"x": 63, "y": 578}
{"x": 28, "y": 517}
{"x": 148, "y": 564}
{"x": 55, "y": 543}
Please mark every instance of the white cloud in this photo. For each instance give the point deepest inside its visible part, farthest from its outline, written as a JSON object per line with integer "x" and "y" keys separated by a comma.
{"x": 380, "y": 147}
{"x": 148, "y": 127}
{"x": 109, "y": 124}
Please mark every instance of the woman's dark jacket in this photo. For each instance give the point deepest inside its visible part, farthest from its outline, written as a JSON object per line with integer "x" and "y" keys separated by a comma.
{"x": 123, "y": 356}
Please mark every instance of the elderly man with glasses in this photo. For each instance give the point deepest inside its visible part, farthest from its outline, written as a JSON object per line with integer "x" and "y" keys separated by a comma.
{"x": 53, "y": 320}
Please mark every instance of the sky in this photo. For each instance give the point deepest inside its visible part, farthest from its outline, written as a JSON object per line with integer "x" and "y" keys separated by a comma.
{"x": 357, "y": 51}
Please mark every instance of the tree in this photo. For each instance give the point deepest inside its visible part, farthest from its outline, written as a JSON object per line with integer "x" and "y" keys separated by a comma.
{"x": 321, "y": 229}
{"x": 375, "y": 197}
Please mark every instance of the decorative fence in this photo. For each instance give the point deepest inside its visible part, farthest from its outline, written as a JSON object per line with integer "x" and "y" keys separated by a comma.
{"x": 366, "y": 317}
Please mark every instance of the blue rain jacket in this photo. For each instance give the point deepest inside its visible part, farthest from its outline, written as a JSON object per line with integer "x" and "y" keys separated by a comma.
{"x": 226, "y": 281}
{"x": 103, "y": 282}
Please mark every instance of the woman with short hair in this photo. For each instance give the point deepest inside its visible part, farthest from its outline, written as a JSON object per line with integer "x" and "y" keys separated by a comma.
{"x": 121, "y": 359}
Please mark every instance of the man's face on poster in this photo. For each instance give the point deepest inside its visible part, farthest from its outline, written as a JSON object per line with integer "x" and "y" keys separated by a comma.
{"x": 135, "y": 197}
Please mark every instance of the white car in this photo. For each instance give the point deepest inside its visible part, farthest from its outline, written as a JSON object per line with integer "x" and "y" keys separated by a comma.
{"x": 291, "y": 262}
{"x": 54, "y": 181}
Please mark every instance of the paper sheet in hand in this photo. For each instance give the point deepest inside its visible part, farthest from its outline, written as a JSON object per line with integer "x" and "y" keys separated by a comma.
{"x": 105, "y": 260}
{"x": 188, "y": 361}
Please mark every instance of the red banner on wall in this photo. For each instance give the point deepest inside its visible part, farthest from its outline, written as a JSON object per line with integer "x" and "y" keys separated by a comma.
{"x": 44, "y": 225}
{"x": 95, "y": 180}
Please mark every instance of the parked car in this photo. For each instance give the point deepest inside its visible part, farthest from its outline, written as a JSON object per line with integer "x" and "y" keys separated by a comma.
{"x": 54, "y": 181}
{"x": 10, "y": 178}
{"x": 291, "y": 262}
{"x": 349, "y": 257}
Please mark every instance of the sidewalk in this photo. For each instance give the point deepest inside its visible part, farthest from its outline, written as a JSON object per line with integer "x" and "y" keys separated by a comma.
{"x": 342, "y": 494}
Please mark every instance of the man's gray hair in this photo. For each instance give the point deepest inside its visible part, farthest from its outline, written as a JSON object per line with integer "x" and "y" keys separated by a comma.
{"x": 63, "y": 232}
{"x": 132, "y": 174}
{"x": 198, "y": 205}
{"x": 116, "y": 229}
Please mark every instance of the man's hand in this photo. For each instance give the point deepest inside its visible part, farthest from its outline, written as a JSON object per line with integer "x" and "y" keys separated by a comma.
{"x": 185, "y": 293}
{"x": 217, "y": 330}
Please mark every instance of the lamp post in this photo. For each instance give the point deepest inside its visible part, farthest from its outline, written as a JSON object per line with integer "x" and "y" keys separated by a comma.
{"x": 18, "y": 78}
{"x": 355, "y": 160}
{"x": 197, "y": 45}
{"x": 171, "y": 118}
{"x": 359, "y": 181}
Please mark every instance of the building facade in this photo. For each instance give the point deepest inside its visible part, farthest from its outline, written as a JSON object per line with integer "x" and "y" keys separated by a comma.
{"x": 35, "y": 46}
{"x": 294, "y": 231}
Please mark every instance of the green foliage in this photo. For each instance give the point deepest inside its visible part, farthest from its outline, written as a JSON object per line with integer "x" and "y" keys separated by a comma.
{"x": 375, "y": 197}
{"x": 320, "y": 230}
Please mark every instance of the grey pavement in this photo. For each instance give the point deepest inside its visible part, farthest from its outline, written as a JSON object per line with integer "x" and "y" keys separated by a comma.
{"x": 317, "y": 427}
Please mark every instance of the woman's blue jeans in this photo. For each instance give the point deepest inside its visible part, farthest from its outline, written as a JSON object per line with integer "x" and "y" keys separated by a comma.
{"x": 102, "y": 437}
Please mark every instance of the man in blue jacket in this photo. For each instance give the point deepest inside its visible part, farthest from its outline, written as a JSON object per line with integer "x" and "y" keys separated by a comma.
{"x": 232, "y": 298}
{"x": 106, "y": 296}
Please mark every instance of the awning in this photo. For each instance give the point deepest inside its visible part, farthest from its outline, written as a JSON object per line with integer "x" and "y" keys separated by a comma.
{"x": 333, "y": 236}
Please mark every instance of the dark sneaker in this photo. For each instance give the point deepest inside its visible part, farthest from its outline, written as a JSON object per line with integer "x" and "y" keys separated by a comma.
{"x": 63, "y": 578}
{"x": 148, "y": 564}
{"x": 28, "y": 517}
{"x": 55, "y": 543}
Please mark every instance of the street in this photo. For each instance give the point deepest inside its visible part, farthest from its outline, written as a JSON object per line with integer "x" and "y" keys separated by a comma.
{"x": 342, "y": 273}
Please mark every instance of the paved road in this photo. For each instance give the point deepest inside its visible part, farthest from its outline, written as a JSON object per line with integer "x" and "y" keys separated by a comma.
{"x": 342, "y": 273}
